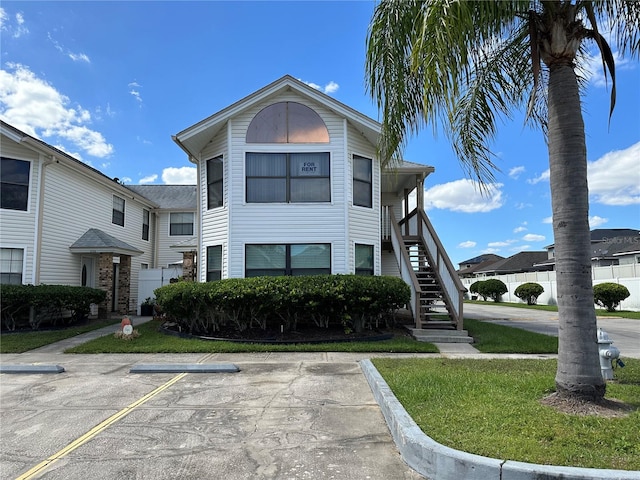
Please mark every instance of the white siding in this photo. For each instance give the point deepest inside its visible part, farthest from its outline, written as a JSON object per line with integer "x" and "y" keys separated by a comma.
{"x": 364, "y": 223}
{"x": 17, "y": 228}
{"x": 167, "y": 255}
{"x": 287, "y": 223}
{"x": 215, "y": 222}
{"x": 74, "y": 203}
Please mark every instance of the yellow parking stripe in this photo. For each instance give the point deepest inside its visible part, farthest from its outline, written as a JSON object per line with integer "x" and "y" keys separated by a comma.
{"x": 97, "y": 429}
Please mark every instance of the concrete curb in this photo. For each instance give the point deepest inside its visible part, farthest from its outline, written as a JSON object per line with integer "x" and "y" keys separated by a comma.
{"x": 185, "y": 368}
{"x": 31, "y": 369}
{"x": 433, "y": 460}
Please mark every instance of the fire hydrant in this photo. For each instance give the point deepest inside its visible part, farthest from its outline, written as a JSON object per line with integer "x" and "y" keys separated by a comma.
{"x": 608, "y": 353}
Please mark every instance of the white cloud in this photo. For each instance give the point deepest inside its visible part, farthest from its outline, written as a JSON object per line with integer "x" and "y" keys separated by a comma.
{"x": 79, "y": 57}
{"x": 180, "y": 175}
{"x": 547, "y": 220}
{"x": 148, "y": 179}
{"x": 34, "y": 106}
{"x": 532, "y": 237}
{"x": 16, "y": 27}
{"x": 596, "y": 221}
{"x": 464, "y": 195}
{"x": 500, "y": 244}
{"x": 519, "y": 229}
{"x": 522, "y": 205}
{"x": 593, "y": 70}
{"x": 515, "y": 172}
{"x": 614, "y": 179}
{"x": 467, "y": 244}
{"x": 126, "y": 180}
{"x": 544, "y": 176}
{"x": 330, "y": 87}
{"x": 491, "y": 250}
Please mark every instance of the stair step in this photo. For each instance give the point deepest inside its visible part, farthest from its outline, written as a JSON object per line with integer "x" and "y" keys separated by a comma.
{"x": 441, "y": 336}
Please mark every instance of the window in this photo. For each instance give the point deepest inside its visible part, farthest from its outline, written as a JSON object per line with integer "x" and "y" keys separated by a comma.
{"x": 364, "y": 259}
{"x": 214, "y": 182}
{"x": 295, "y": 259}
{"x": 11, "y": 265}
{"x": 288, "y": 177}
{"x": 181, "y": 223}
{"x": 362, "y": 192}
{"x": 145, "y": 224}
{"x": 14, "y": 184}
{"x": 117, "y": 217}
{"x": 287, "y": 122}
{"x": 214, "y": 263}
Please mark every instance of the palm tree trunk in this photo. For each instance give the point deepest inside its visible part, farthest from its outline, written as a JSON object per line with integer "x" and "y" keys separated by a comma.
{"x": 578, "y": 374}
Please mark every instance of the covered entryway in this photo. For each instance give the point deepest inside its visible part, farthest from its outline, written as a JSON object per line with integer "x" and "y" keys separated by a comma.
{"x": 113, "y": 257}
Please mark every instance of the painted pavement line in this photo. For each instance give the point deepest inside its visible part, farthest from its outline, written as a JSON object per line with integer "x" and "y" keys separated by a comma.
{"x": 97, "y": 429}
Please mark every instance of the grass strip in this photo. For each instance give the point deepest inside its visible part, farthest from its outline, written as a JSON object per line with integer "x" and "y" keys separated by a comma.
{"x": 153, "y": 341}
{"x": 20, "y": 342}
{"x": 493, "y": 338}
{"x": 492, "y": 408}
{"x": 554, "y": 308}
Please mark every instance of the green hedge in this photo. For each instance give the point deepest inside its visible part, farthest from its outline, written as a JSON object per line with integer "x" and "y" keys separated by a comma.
{"x": 52, "y": 305}
{"x": 609, "y": 295}
{"x": 355, "y": 302}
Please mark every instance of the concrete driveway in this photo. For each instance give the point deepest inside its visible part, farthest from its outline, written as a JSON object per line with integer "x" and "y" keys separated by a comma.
{"x": 624, "y": 332}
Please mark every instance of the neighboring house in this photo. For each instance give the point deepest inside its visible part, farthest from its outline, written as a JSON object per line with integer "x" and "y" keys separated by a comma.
{"x": 609, "y": 246}
{"x": 290, "y": 184}
{"x": 468, "y": 268}
{"x": 519, "y": 263}
{"x": 64, "y": 222}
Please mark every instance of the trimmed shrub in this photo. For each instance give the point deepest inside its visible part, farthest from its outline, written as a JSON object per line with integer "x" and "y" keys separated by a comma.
{"x": 609, "y": 295}
{"x": 52, "y": 305}
{"x": 529, "y": 292}
{"x": 492, "y": 288}
{"x": 355, "y": 302}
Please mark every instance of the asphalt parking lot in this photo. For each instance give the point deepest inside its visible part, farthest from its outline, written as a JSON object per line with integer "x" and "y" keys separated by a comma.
{"x": 308, "y": 417}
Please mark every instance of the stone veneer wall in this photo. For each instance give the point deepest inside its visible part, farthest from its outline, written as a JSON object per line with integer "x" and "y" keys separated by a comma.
{"x": 105, "y": 282}
{"x": 189, "y": 266}
{"x": 124, "y": 285}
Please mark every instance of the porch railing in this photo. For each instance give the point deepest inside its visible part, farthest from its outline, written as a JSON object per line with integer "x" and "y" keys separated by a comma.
{"x": 417, "y": 225}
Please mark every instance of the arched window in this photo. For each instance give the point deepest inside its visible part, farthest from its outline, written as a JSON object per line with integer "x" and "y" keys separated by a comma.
{"x": 287, "y": 122}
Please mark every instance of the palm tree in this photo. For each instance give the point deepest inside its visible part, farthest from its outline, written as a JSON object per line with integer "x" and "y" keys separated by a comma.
{"x": 463, "y": 64}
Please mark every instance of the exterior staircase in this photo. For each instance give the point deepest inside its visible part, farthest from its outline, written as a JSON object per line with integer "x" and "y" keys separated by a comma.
{"x": 437, "y": 323}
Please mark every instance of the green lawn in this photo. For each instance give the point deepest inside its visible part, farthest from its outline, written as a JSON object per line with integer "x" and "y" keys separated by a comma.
{"x": 20, "y": 342}
{"x": 493, "y": 338}
{"x": 553, "y": 308}
{"x": 153, "y": 341}
{"x": 492, "y": 408}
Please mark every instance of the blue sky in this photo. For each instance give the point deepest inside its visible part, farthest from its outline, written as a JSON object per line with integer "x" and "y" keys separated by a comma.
{"x": 110, "y": 82}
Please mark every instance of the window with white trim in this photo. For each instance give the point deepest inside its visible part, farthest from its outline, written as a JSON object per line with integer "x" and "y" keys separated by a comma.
{"x": 117, "y": 215}
{"x": 288, "y": 177}
{"x": 181, "y": 223}
{"x": 215, "y": 183}
{"x": 362, "y": 181}
{"x": 145, "y": 224}
{"x": 214, "y": 263}
{"x": 11, "y": 265}
{"x": 287, "y": 259}
{"x": 364, "y": 259}
{"x": 14, "y": 184}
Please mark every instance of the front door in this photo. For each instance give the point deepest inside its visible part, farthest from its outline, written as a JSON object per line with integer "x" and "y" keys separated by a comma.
{"x": 87, "y": 274}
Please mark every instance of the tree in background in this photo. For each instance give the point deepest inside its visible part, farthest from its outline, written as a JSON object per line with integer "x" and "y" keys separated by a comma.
{"x": 463, "y": 64}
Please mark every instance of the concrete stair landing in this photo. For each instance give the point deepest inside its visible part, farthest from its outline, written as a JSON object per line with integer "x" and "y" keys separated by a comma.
{"x": 432, "y": 335}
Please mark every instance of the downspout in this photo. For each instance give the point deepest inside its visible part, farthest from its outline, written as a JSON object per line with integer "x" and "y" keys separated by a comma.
{"x": 39, "y": 214}
{"x": 154, "y": 244}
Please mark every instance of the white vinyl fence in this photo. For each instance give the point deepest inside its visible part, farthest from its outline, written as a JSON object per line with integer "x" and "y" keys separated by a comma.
{"x": 627, "y": 275}
{"x": 153, "y": 278}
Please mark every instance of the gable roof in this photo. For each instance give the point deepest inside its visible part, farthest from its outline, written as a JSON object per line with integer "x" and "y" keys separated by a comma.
{"x": 520, "y": 262}
{"x": 193, "y": 139}
{"x": 53, "y": 153}
{"x": 97, "y": 241}
{"x": 481, "y": 262}
{"x": 169, "y": 197}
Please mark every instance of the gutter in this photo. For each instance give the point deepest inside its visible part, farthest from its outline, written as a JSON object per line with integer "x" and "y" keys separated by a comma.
{"x": 190, "y": 156}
